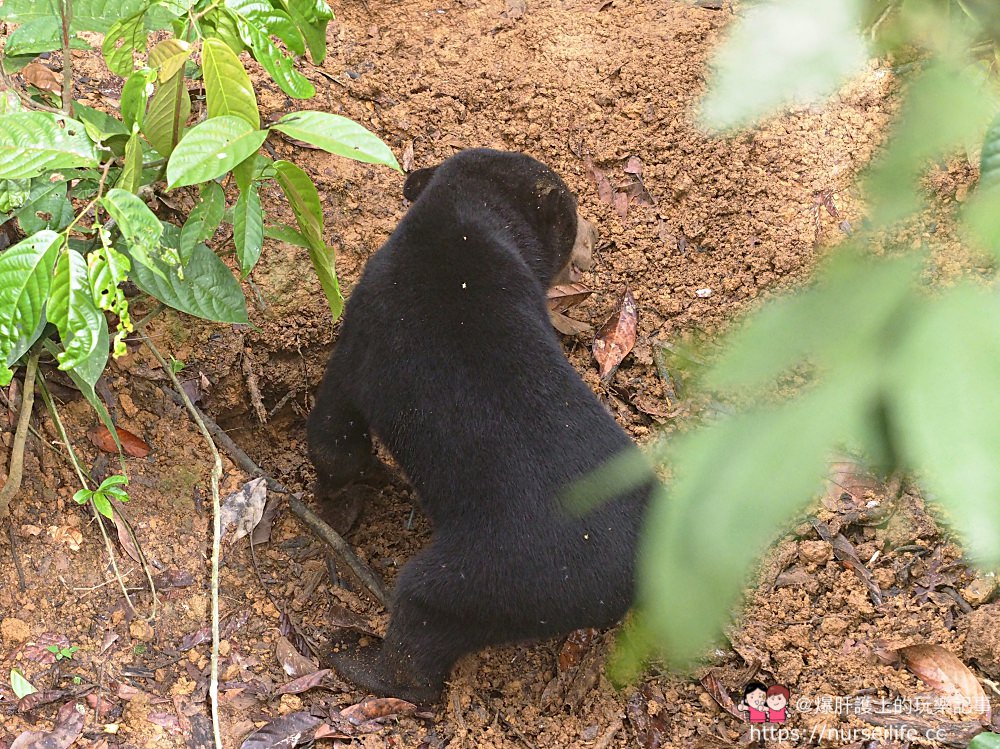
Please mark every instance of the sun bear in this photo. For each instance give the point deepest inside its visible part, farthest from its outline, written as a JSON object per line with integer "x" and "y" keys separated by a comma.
{"x": 446, "y": 355}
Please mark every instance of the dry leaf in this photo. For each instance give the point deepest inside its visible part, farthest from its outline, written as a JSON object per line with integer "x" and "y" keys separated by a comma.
{"x": 634, "y": 166}
{"x": 131, "y": 444}
{"x": 376, "y": 708}
{"x": 720, "y": 694}
{"x": 242, "y": 510}
{"x": 292, "y": 661}
{"x": 71, "y": 537}
{"x": 407, "y": 161}
{"x": 621, "y": 204}
{"x": 617, "y": 337}
{"x": 567, "y": 325}
{"x": 942, "y": 671}
{"x": 577, "y": 645}
{"x": 42, "y": 78}
{"x": 844, "y": 551}
{"x": 848, "y": 482}
{"x": 567, "y": 295}
{"x": 304, "y": 683}
{"x": 604, "y": 190}
{"x": 67, "y": 729}
{"x": 286, "y": 732}
{"x": 515, "y": 9}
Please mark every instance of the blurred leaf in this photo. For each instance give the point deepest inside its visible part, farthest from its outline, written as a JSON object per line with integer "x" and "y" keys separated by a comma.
{"x": 100, "y": 127}
{"x": 72, "y": 310}
{"x": 123, "y": 38}
{"x": 228, "y": 89}
{"x": 779, "y": 52}
{"x": 989, "y": 162}
{"x": 13, "y": 193}
{"x": 285, "y": 233}
{"x": 248, "y": 228}
{"x": 692, "y": 567}
{"x": 39, "y": 35}
{"x": 47, "y": 206}
{"x": 945, "y": 409}
{"x": 212, "y": 148}
{"x": 20, "y": 686}
{"x": 25, "y": 284}
{"x": 131, "y": 175}
{"x": 208, "y": 289}
{"x": 35, "y": 142}
{"x": 88, "y": 15}
{"x": 337, "y": 135}
{"x": 985, "y": 741}
{"x": 944, "y": 108}
{"x": 135, "y": 93}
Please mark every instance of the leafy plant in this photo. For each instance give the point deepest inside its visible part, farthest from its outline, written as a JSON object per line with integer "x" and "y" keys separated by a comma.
{"x": 110, "y": 488}
{"x": 75, "y": 179}
{"x": 19, "y": 685}
{"x": 904, "y": 375}
{"x": 62, "y": 653}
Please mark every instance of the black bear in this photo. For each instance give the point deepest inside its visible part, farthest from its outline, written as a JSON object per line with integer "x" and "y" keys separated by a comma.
{"x": 447, "y": 356}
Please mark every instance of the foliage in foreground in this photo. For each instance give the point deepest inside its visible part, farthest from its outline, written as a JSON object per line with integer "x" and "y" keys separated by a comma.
{"x": 75, "y": 179}
{"x": 905, "y": 376}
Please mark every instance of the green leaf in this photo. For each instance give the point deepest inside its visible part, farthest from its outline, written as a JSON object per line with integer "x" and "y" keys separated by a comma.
{"x": 945, "y": 107}
{"x": 338, "y": 135}
{"x": 212, "y": 148}
{"x": 107, "y": 269}
{"x": 71, "y": 308}
{"x": 168, "y": 58}
{"x": 774, "y": 461}
{"x": 208, "y": 289}
{"x": 311, "y": 18}
{"x": 88, "y": 15}
{"x": 248, "y": 228}
{"x": 139, "y": 226}
{"x": 9, "y": 102}
{"x": 25, "y": 283}
{"x": 779, "y": 52}
{"x": 20, "y": 686}
{"x": 13, "y": 193}
{"x": 228, "y": 89}
{"x": 285, "y": 233}
{"x": 278, "y": 65}
{"x": 989, "y": 162}
{"x": 985, "y": 741}
{"x": 135, "y": 93}
{"x": 47, "y": 206}
{"x": 101, "y": 127}
{"x": 203, "y": 220}
{"x": 130, "y": 179}
{"x": 945, "y": 410}
{"x": 38, "y": 36}
{"x": 123, "y": 38}
{"x": 35, "y": 142}
{"x": 221, "y": 24}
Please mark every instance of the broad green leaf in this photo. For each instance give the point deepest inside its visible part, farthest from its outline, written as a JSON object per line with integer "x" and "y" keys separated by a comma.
{"x": 39, "y": 35}
{"x": 168, "y": 58}
{"x": 169, "y": 109}
{"x": 228, "y": 89}
{"x": 88, "y": 15}
{"x": 221, "y": 24}
{"x": 72, "y": 310}
{"x": 107, "y": 269}
{"x": 985, "y": 741}
{"x": 139, "y": 226}
{"x": 9, "y": 102}
{"x": 944, "y": 108}
{"x": 312, "y": 18}
{"x": 774, "y": 462}
{"x": 135, "y": 93}
{"x": 278, "y": 65}
{"x": 35, "y": 142}
{"x": 338, "y": 135}
{"x": 13, "y": 193}
{"x": 101, "y": 128}
{"x": 304, "y": 200}
{"x": 945, "y": 410}
{"x": 123, "y": 38}
{"x": 847, "y": 311}
{"x": 779, "y": 52}
{"x": 47, "y": 206}
{"x": 208, "y": 289}
{"x": 285, "y": 233}
{"x": 25, "y": 283}
{"x": 248, "y": 228}
{"x": 130, "y": 179}
{"x": 212, "y": 148}
{"x": 203, "y": 220}
{"x": 20, "y": 686}
{"x": 279, "y": 24}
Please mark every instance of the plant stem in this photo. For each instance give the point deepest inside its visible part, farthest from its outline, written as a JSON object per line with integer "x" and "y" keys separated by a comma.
{"x": 213, "y": 684}
{"x": 16, "y": 471}
{"x": 67, "y": 85}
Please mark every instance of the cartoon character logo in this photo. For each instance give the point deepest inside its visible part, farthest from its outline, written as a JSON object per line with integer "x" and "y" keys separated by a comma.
{"x": 763, "y": 704}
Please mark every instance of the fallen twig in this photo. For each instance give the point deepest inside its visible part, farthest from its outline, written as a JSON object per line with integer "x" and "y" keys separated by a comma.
{"x": 16, "y": 471}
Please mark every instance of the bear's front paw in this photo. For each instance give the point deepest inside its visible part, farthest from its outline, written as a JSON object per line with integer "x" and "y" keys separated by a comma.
{"x": 367, "y": 667}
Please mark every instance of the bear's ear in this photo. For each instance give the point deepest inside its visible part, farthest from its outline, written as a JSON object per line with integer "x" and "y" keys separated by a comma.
{"x": 416, "y": 182}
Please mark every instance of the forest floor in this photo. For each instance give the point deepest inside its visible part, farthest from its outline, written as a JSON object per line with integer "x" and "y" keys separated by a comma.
{"x": 574, "y": 83}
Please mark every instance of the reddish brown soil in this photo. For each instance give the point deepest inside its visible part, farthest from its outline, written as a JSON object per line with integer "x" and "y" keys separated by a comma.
{"x": 567, "y": 81}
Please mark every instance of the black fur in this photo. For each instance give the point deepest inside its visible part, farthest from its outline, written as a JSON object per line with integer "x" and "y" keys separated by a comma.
{"x": 447, "y": 355}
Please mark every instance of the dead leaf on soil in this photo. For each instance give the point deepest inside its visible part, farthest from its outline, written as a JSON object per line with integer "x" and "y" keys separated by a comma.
{"x": 567, "y": 325}
{"x": 515, "y": 9}
{"x": 124, "y": 537}
{"x": 942, "y": 671}
{"x": 407, "y": 161}
{"x": 848, "y": 481}
{"x": 617, "y": 337}
{"x": 42, "y": 78}
{"x": 132, "y": 444}
{"x": 577, "y": 645}
{"x": 286, "y": 732}
{"x": 38, "y": 651}
{"x": 566, "y": 295}
{"x": 634, "y": 166}
{"x": 304, "y": 683}
{"x": 242, "y": 510}
{"x": 946, "y": 732}
{"x": 340, "y": 616}
{"x": 605, "y": 191}
{"x": 844, "y": 551}
{"x": 720, "y": 694}
{"x": 621, "y": 204}
{"x": 67, "y": 729}
{"x": 292, "y": 661}
{"x": 376, "y": 708}
{"x": 70, "y": 537}
{"x": 36, "y": 699}
{"x": 646, "y": 712}
{"x": 262, "y": 531}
